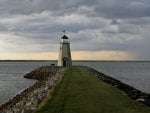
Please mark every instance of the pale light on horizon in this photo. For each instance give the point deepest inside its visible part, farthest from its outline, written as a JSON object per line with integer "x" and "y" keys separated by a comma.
{"x": 76, "y": 55}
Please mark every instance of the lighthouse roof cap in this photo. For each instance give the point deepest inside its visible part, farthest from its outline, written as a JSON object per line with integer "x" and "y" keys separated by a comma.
{"x": 64, "y": 37}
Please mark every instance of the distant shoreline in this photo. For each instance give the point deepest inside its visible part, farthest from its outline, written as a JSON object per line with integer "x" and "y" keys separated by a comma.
{"x": 74, "y": 61}
{"x": 27, "y": 60}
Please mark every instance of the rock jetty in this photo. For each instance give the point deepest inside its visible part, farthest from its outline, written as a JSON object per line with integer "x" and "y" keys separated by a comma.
{"x": 133, "y": 93}
{"x": 47, "y": 78}
{"x": 27, "y": 101}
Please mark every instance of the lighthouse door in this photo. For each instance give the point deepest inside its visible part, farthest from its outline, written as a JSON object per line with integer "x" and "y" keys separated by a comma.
{"x": 64, "y": 61}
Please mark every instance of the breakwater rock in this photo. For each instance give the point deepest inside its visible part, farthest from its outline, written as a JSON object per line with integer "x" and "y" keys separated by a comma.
{"x": 129, "y": 90}
{"x": 42, "y": 73}
{"x": 28, "y": 100}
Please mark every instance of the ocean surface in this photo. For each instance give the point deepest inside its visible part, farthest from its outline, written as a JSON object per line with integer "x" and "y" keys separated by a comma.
{"x": 136, "y": 74}
{"x": 11, "y": 77}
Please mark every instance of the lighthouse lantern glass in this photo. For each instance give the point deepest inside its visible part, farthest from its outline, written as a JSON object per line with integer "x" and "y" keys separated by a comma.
{"x": 64, "y": 40}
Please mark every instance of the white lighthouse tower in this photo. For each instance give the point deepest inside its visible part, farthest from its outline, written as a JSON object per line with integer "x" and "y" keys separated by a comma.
{"x": 64, "y": 52}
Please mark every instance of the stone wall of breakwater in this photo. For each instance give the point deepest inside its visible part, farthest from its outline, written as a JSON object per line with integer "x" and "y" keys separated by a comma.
{"x": 129, "y": 90}
{"x": 27, "y": 101}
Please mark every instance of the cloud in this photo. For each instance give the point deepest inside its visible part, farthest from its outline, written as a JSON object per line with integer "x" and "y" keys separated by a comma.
{"x": 123, "y": 8}
{"x": 34, "y": 26}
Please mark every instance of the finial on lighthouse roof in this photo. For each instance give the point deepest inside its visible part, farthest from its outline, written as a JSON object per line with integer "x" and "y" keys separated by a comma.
{"x": 64, "y": 37}
{"x": 64, "y": 31}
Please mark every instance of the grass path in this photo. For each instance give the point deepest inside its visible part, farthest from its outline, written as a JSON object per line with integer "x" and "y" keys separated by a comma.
{"x": 79, "y": 92}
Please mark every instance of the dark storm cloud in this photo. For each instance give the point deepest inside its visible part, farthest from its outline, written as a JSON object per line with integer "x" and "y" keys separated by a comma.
{"x": 92, "y": 25}
{"x": 107, "y": 8}
{"x": 123, "y": 8}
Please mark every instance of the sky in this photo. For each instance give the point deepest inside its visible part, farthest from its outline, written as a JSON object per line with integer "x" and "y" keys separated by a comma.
{"x": 97, "y": 29}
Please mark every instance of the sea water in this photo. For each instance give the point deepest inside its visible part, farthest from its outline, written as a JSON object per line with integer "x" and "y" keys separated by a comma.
{"x": 11, "y": 77}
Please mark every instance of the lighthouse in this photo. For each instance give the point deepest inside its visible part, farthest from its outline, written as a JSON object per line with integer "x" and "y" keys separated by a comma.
{"x": 64, "y": 52}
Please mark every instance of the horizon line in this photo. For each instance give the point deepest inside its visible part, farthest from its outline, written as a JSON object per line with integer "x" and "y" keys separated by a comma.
{"x": 80, "y": 60}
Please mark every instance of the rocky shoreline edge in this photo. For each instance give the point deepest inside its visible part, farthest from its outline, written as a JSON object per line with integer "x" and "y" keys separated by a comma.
{"x": 130, "y": 91}
{"x": 28, "y": 100}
